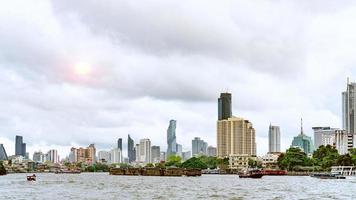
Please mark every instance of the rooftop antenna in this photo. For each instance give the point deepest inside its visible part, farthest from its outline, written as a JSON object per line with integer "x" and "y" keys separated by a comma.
{"x": 348, "y": 80}
{"x": 301, "y": 126}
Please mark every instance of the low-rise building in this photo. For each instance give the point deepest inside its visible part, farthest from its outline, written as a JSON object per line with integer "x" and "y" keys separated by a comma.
{"x": 239, "y": 161}
{"x": 270, "y": 160}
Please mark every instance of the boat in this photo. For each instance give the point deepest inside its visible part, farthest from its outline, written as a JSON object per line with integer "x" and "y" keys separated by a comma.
{"x": 327, "y": 176}
{"x": 252, "y": 173}
{"x": 31, "y": 178}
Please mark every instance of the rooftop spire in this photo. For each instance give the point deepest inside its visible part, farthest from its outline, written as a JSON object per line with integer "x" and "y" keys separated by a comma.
{"x": 301, "y": 126}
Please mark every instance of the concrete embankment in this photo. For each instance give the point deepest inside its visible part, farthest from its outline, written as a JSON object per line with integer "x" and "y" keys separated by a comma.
{"x": 155, "y": 172}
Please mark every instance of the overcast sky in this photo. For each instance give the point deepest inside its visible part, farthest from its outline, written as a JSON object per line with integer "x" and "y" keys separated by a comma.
{"x": 79, "y": 72}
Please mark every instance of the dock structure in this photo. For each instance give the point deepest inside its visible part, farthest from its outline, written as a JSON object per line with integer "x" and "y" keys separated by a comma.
{"x": 344, "y": 170}
{"x": 155, "y": 172}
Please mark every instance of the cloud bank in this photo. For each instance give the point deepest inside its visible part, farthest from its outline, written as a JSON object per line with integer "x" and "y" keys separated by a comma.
{"x": 163, "y": 60}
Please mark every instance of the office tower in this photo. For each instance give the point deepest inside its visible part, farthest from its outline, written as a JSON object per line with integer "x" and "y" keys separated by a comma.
{"x": 115, "y": 156}
{"x": 274, "y": 139}
{"x": 199, "y": 147}
{"x": 156, "y": 154}
{"x": 145, "y": 150}
{"x": 20, "y": 147}
{"x": 171, "y": 138}
{"x": 349, "y": 107}
{"x": 303, "y": 141}
{"x": 53, "y": 156}
{"x": 179, "y": 150}
{"x": 324, "y": 136}
{"x": 186, "y": 155}
{"x": 224, "y": 106}
{"x": 119, "y": 144}
{"x": 131, "y": 154}
{"x": 38, "y": 157}
{"x": 3, "y": 155}
{"x": 137, "y": 152}
{"x": 235, "y": 136}
{"x": 343, "y": 141}
{"x": 211, "y": 151}
{"x": 104, "y": 156}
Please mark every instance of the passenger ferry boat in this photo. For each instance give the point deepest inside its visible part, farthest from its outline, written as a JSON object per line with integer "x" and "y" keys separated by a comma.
{"x": 344, "y": 170}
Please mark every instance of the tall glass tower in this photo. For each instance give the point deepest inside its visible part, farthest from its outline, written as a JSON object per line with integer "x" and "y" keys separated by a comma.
{"x": 349, "y": 108}
{"x": 224, "y": 106}
{"x": 130, "y": 149}
{"x": 119, "y": 144}
{"x": 171, "y": 138}
{"x": 3, "y": 155}
{"x": 20, "y": 147}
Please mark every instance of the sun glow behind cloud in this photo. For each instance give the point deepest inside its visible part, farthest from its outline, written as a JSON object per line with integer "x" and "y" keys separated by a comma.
{"x": 82, "y": 69}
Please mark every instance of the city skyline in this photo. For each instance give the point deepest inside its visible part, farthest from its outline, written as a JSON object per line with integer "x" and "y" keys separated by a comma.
{"x": 72, "y": 81}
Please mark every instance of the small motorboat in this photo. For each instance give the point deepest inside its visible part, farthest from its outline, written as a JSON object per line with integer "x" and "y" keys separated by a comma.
{"x": 327, "y": 176}
{"x": 251, "y": 173}
{"x": 31, "y": 178}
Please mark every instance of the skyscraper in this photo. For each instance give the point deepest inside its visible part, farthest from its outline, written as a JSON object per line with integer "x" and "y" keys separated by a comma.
{"x": 274, "y": 139}
{"x": 235, "y": 136}
{"x": 156, "y": 153}
{"x": 145, "y": 150}
{"x": 224, "y": 106}
{"x": 303, "y": 141}
{"x": 53, "y": 156}
{"x": 349, "y": 108}
{"x": 3, "y": 155}
{"x": 324, "y": 136}
{"x": 20, "y": 147}
{"x": 211, "y": 151}
{"x": 171, "y": 138}
{"x": 130, "y": 149}
{"x": 199, "y": 147}
{"x": 119, "y": 144}
{"x": 116, "y": 156}
{"x": 104, "y": 156}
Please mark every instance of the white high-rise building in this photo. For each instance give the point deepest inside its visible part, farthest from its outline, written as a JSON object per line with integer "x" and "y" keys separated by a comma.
{"x": 115, "y": 156}
{"x": 274, "y": 139}
{"x": 104, "y": 156}
{"x": 343, "y": 141}
{"x": 145, "y": 150}
{"x": 155, "y": 154}
{"x": 52, "y": 156}
{"x": 137, "y": 150}
{"x": 324, "y": 136}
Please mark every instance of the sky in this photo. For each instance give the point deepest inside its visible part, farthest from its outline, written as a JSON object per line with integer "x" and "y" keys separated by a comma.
{"x": 74, "y": 73}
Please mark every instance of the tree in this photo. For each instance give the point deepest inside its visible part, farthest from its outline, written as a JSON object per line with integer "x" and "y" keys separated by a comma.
{"x": 254, "y": 163}
{"x": 292, "y": 158}
{"x": 149, "y": 165}
{"x": 325, "y": 156}
{"x": 2, "y": 169}
{"x": 194, "y": 163}
{"x": 174, "y": 160}
{"x": 210, "y": 161}
{"x": 223, "y": 163}
{"x": 344, "y": 160}
{"x": 353, "y": 156}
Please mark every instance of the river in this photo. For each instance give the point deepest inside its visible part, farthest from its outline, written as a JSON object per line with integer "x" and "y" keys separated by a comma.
{"x": 104, "y": 186}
